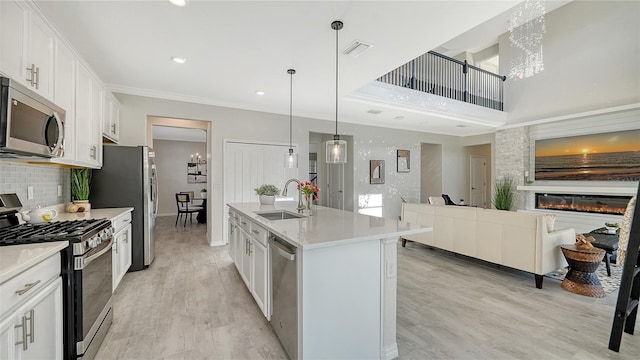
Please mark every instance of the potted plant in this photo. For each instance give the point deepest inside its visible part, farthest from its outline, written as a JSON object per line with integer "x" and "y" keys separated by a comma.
{"x": 267, "y": 193}
{"x": 80, "y": 184}
{"x": 503, "y": 191}
{"x": 203, "y": 193}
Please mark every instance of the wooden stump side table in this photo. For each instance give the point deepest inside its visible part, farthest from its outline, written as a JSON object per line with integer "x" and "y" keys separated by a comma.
{"x": 581, "y": 278}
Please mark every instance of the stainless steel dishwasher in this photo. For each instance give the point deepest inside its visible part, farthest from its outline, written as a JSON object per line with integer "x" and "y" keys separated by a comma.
{"x": 284, "y": 292}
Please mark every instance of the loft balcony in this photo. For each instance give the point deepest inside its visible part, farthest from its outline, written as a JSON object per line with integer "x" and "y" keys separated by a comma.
{"x": 441, "y": 75}
{"x": 439, "y": 86}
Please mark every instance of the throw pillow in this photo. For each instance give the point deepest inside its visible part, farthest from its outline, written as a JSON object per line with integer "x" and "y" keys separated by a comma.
{"x": 550, "y": 219}
{"x": 625, "y": 229}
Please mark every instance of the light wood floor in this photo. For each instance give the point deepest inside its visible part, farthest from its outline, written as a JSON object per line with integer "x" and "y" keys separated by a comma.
{"x": 192, "y": 304}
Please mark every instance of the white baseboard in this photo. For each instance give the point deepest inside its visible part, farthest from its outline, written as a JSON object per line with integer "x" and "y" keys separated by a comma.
{"x": 390, "y": 352}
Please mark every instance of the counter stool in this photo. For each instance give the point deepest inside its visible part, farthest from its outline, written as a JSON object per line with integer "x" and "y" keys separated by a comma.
{"x": 607, "y": 242}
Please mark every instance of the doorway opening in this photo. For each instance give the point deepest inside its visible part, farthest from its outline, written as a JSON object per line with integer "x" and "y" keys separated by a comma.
{"x": 183, "y": 153}
{"x": 479, "y": 175}
{"x": 430, "y": 171}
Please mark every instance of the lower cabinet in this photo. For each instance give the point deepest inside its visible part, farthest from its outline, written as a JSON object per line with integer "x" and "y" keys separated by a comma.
{"x": 249, "y": 252}
{"x": 259, "y": 274}
{"x": 34, "y": 329}
{"x": 121, "y": 249}
{"x": 121, "y": 255}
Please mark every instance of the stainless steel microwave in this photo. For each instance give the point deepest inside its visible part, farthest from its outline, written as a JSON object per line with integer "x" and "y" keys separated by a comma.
{"x": 30, "y": 125}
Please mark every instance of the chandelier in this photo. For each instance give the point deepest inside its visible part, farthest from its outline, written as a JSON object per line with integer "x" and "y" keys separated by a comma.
{"x": 526, "y": 29}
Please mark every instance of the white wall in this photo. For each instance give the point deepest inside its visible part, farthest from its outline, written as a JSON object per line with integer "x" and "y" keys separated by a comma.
{"x": 591, "y": 56}
{"x": 171, "y": 162}
{"x": 370, "y": 143}
{"x": 431, "y": 171}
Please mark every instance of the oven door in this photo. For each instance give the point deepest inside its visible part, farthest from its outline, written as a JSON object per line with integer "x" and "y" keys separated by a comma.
{"x": 93, "y": 296}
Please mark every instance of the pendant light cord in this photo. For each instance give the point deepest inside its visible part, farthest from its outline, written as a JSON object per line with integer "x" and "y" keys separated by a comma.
{"x": 290, "y": 109}
{"x": 338, "y": 29}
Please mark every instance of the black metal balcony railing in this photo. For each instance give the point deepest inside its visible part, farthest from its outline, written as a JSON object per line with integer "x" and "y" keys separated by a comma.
{"x": 444, "y": 76}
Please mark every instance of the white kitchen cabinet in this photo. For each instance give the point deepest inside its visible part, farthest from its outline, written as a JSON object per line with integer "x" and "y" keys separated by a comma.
{"x": 121, "y": 250}
{"x": 260, "y": 287}
{"x": 31, "y": 325}
{"x": 233, "y": 231}
{"x": 111, "y": 119}
{"x": 88, "y": 116}
{"x": 251, "y": 258}
{"x": 26, "y": 47}
{"x": 13, "y": 19}
{"x": 39, "y": 60}
{"x": 245, "y": 272}
{"x": 64, "y": 95}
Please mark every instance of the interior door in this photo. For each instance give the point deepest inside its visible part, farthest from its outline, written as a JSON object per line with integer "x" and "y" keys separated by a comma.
{"x": 335, "y": 185}
{"x": 478, "y": 170}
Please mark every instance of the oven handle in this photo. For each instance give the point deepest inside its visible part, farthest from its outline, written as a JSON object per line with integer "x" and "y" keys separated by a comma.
{"x": 88, "y": 260}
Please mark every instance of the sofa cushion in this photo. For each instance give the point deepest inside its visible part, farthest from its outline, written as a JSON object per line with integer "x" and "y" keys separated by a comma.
{"x": 550, "y": 220}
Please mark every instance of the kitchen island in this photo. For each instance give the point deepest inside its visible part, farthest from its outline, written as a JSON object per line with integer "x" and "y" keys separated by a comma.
{"x": 346, "y": 277}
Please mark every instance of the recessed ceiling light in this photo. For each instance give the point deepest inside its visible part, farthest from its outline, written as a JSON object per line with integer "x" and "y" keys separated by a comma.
{"x": 374, "y": 111}
{"x": 178, "y": 2}
{"x": 462, "y": 126}
{"x": 259, "y": 92}
{"x": 399, "y": 117}
{"x": 178, "y": 60}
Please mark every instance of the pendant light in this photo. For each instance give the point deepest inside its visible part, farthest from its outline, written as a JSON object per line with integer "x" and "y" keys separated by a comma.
{"x": 336, "y": 148}
{"x": 290, "y": 159}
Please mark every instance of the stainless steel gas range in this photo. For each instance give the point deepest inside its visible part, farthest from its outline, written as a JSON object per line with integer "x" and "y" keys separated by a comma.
{"x": 86, "y": 272}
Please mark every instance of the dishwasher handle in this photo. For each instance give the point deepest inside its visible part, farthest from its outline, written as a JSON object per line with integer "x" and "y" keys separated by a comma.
{"x": 282, "y": 250}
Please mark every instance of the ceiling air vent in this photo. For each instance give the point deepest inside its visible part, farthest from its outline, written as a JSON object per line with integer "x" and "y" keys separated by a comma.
{"x": 374, "y": 111}
{"x": 356, "y": 48}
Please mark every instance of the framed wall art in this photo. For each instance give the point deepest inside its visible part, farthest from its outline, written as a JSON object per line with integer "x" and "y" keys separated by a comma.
{"x": 376, "y": 171}
{"x": 404, "y": 161}
{"x": 613, "y": 156}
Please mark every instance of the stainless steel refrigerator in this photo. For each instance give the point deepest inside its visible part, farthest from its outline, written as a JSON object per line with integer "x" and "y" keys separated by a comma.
{"x": 128, "y": 178}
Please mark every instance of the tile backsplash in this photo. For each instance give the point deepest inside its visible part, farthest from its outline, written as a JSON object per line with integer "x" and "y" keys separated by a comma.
{"x": 17, "y": 177}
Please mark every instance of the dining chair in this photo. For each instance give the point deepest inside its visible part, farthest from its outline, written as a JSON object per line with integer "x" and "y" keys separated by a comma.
{"x": 191, "y": 197}
{"x": 185, "y": 207}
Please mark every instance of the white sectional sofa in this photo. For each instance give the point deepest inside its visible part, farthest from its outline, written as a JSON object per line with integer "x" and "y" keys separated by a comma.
{"x": 517, "y": 240}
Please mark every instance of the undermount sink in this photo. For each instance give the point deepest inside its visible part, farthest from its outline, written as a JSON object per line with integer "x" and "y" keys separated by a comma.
{"x": 279, "y": 215}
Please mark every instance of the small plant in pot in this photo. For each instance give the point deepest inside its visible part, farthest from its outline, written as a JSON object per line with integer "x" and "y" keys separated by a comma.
{"x": 80, "y": 185}
{"x": 503, "y": 191}
{"x": 203, "y": 193}
{"x": 267, "y": 193}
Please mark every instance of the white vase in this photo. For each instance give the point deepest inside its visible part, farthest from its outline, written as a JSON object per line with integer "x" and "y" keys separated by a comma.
{"x": 203, "y": 195}
{"x": 267, "y": 199}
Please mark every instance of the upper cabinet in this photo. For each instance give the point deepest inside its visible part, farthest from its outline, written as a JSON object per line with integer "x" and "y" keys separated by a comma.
{"x": 88, "y": 113}
{"x": 34, "y": 54}
{"x": 13, "y": 18}
{"x": 111, "y": 118}
{"x": 26, "y": 50}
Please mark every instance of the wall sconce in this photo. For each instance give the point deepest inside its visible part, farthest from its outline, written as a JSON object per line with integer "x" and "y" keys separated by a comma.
{"x": 526, "y": 177}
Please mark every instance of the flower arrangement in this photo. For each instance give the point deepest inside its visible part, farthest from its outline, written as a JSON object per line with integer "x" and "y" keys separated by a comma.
{"x": 310, "y": 190}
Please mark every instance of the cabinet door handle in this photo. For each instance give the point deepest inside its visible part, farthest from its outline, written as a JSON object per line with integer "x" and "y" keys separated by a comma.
{"x": 113, "y": 129}
{"x": 126, "y": 237}
{"x": 30, "y": 72}
{"x": 37, "y": 76}
{"x": 92, "y": 152}
{"x": 255, "y": 232}
{"x": 32, "y": 325}
{"x": 24, "y": 333}
{"x": 115, "y": 246}
{"x": 243, "y": 223}
{"x": 27, "y": 287}
{"x": 250, "y": 250}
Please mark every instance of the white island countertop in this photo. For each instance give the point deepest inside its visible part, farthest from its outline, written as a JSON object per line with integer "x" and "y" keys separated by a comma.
{"x": 327, "y": 226}
{"x": 15, "y": 259}
{"x": 109, "y": 214}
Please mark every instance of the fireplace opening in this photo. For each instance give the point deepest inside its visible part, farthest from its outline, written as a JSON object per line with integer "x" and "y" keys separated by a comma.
{"x": 600, "y": 204}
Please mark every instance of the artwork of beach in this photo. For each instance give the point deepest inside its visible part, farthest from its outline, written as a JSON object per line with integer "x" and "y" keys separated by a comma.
{"x": 605, "y": 157}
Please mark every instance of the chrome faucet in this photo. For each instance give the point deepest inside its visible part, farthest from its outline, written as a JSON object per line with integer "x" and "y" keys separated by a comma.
{"x": 284, "y": 193}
